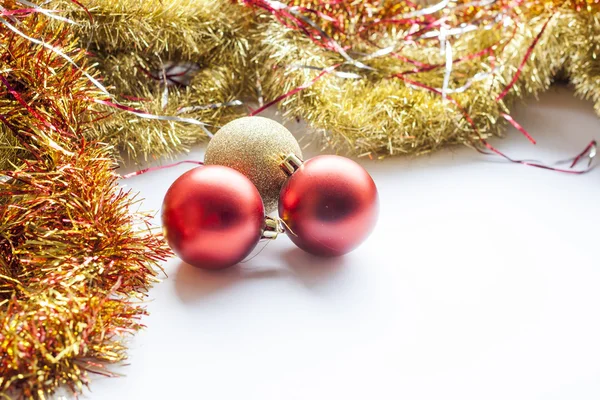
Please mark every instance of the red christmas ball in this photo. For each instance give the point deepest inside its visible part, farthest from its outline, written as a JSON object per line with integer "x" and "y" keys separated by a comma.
{"x": 212, "y": 217}
{"x": 330, "y": 205}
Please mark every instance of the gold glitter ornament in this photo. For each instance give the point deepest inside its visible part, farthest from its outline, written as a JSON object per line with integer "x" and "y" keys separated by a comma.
{"x": 254, "y": 146}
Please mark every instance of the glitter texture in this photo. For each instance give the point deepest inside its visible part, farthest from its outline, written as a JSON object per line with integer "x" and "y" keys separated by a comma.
{"x": 255, "y": 146}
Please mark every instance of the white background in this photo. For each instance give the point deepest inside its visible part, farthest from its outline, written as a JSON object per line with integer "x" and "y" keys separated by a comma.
{"x": 480, "y": 282}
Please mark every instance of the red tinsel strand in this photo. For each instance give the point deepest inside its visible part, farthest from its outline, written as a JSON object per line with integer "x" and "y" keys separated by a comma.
{"x": 292, "y": 92}
{"x": 518, "y": 127}
{"x": 151, "y": 169}
{"x": 589, "y": 149}
{"x": 524, "y": 61}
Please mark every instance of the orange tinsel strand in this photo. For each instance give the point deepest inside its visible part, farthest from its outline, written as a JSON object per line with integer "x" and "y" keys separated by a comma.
{"x": 73, "y": 258}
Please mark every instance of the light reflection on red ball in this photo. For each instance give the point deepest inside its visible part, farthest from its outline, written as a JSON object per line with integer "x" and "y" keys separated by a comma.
{"x": 330, "y": 205}
{"x": 212, "y": 217}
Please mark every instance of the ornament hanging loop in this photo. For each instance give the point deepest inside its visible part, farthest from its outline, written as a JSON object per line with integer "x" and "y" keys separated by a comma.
{"x": 290, "y": 163}
{"x": 272, "y": 228}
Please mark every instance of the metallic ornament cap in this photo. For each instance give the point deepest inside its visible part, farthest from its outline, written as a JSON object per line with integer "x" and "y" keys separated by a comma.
{"x": 291, "y": 163}
{"x": 272, "y": 229}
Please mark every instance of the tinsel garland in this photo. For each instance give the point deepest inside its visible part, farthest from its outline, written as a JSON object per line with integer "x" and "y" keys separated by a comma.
{"x": 430, "y": 80}
{"x": 133, "y": 43}
{"x": 75, "y": 260}
{"x": 372, "y": 78}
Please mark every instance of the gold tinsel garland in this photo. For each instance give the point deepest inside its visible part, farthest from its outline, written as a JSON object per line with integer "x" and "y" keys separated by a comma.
{"x": 133, "y": 43}
{"x": 74, "y": 259}
{"x": 249, "y": 49}
{"x": 397, "y": 106}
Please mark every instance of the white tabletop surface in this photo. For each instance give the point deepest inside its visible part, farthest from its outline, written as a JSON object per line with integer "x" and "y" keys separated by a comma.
{"x": 480, "y": 282}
